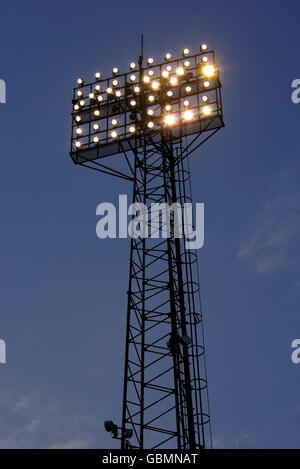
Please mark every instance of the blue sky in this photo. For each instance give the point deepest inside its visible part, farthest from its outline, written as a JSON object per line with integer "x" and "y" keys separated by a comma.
{"x": 63, "y": 290}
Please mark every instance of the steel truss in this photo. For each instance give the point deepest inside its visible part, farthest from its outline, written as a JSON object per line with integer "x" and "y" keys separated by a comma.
{"x": 165, "y": 400}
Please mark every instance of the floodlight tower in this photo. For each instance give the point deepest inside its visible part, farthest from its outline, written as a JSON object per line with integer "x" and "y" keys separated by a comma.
{"x": 142, "y": 126}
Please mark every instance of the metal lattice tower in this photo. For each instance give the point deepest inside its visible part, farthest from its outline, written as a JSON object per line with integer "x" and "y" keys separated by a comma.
{"x": 165, "y": 399}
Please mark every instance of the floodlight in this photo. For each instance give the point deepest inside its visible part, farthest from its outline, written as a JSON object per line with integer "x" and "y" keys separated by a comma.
{"x": 180, "y": 71}
{"x": 96, "y": 126}
{"x": 114, "y": 121}
{"x": 132, "y": 65}
{"x": 96, "y": 139}
{"x": 155, "y": 85}
{"x": 132, "y": 77}
{"x": 79, "y": 131}
{"x": 150, "y": 112}
{"x": 185, "y": 52}
{"x": 78, "y": 144}
{"x": 80, "y": 81}
{"x": 115, "y": 70}
{"x": 173, "y": 81}
{"x": 79, "y": 93}
{"x": 206, "y": 84}
{"x": 133, "y": 102}
{"x": 114, "y": 134}
{"x": 169, "y": 119}
{"x": 150, "y": 61}
{"x": 188, "y": 115}
{"x": 203, "y": 47}
{"x": 115, "y": 82}
{"x": 206, "y": 110}
{"x": 209, "y": 70}
{"x": 146, "y": 79}
{"x": 97, "y": 75}
{"x": 132, "y": 129}
{"x": 150, "y": 124}
{"x": 188, "y": 89}
{"x": 109, "y": 90}
{"x": 98, "y": 88}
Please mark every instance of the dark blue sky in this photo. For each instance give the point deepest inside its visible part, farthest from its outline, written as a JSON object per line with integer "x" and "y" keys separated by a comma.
{"x": 63, "y": 290}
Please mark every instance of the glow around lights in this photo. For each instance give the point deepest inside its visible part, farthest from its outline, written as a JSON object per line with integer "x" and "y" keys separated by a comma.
{"x": 155, "y": 85}
{"x": 169, "y": 119}
{"x": 188, "y": 115}
{"x": 209, "y": 70}
{"x": 180, "y": 71}
{"x": 146, "y": 79}
{"x": 206, "y": 110}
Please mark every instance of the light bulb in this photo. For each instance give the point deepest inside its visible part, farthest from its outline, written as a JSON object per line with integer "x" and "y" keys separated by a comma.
{"x": 206, "y": 110}
{"x": 77, "y": 144}
{"x": 132, "y": 65}
{"x": 168, "y": 56}
{"x": 169, "y": 119}
{"x": 188, "y": 115}
{"x": 114, "y": 134}
{"x": 98, "y": 75}
{"x": 96, "y": 139}
{"x": 209, "y": 70}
